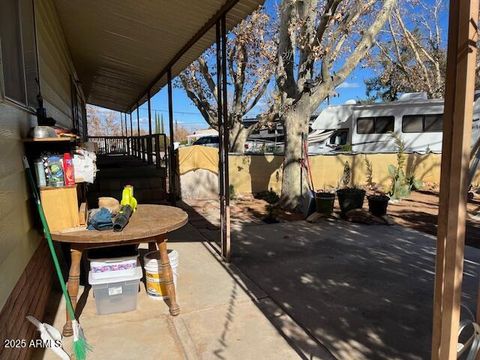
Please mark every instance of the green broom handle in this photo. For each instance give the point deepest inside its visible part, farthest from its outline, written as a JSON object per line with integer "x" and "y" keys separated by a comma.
{"x": 46, "y": 231}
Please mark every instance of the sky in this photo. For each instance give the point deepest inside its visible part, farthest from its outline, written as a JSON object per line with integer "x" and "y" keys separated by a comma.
{"x": 187, "y": 115}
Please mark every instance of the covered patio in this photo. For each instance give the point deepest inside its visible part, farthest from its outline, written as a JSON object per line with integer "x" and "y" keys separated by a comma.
{"x": 293, "y": 290}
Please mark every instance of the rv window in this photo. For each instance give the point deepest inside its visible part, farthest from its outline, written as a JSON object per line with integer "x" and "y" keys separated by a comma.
{"x": 340, "y": 137}
{"x": 365, "y": 125}
{"x": 412, "y": 124}
{"x": 433, "y": 123}
{"x": 384, "y": 124}
{"x": 422, "y": 123}
{"x": 375, "y": 125}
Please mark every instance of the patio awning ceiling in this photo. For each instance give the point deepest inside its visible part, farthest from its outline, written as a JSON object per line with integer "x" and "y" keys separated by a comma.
{"x": 122, "y": 48}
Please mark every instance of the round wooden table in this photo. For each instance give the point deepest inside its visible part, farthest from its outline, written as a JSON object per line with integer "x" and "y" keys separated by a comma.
{"x": 148, "y": 224}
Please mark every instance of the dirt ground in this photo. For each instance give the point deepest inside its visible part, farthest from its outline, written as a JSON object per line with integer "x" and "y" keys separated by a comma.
{"x": 245, "y": 211}
{"x": 419, "y": 212}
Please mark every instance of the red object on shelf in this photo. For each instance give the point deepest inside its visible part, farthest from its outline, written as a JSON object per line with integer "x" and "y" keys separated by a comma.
{"x": 69, "y": 176}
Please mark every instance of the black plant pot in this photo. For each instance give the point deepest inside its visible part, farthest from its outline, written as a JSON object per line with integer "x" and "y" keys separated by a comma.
{"x": 324, "y": 202}
{"x": 377, "y": 204}
{"x": 350, "y": 198}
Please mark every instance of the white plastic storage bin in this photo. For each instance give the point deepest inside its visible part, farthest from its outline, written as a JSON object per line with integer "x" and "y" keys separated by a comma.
{"x": 116, "y": 295}
{"x": 113, "y": 267}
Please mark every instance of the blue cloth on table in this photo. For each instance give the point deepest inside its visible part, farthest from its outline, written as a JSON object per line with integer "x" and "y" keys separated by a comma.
{"x": 101, "y": 220}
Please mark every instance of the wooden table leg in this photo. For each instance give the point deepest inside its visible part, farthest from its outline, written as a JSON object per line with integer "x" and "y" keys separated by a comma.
{"x": 72, "y": 286}
{"x": 152, "y": 246}
{"x": 168, "y": 276}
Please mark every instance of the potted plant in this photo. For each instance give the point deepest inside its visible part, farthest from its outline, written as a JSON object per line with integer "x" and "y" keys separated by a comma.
{"x": 377, "y": 204}
{"x": 324, "y": 202}
{"x": 349, "y": 198}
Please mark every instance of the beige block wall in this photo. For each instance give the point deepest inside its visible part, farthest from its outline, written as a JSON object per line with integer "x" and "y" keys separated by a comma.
{"x": 327, "y": 170}
{"x": 255, "y": 173}
{"x": 18, "y": 240}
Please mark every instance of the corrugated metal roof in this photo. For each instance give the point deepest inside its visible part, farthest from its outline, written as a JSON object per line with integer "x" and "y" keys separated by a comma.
{"x": 119, "y": 47}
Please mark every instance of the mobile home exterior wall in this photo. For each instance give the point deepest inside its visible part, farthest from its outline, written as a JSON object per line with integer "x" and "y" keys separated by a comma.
{"x": 26, "y": 272}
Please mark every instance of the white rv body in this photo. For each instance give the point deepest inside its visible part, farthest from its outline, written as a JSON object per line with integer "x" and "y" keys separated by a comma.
{"x": 368, "y": 128}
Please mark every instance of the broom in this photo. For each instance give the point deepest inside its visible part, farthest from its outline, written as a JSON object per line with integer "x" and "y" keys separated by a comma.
{"x": 80, "y": 345}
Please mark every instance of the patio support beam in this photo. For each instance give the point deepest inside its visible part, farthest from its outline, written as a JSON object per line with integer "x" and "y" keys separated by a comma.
{"x": 121, "y": 124}
{"x": 149, "y": 140}
{"x": 138, "y": 120}
{"x": 456, "y": 148}
{"x": 130, "y": 141}
{"x": 126, "y": 135}
{"x": 139, "y": 149}
{"x": 171, "y": 142}
{"x": 131, "y": 125}
{"x": 223, "y": 132}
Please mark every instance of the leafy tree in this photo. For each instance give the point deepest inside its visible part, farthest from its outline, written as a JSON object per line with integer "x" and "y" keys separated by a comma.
{"x": 159, "y": 124}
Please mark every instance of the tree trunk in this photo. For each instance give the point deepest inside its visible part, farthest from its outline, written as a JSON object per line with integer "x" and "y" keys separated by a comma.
{"x": 238, "y": 137}
{"x": 293, "y": 181}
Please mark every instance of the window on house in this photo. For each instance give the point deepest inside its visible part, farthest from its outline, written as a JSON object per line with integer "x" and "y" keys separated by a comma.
{"x": 375, "y": 125}
{"x": 422, "y": 123}
{"x": 18, "y": 51}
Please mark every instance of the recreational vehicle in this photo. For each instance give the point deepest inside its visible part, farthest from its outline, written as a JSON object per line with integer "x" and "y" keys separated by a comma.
{"x": 366, "y": 128}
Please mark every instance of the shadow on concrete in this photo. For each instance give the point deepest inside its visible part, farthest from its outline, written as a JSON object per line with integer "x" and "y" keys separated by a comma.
{"x": 365, "y": 292}
{"x": 304, "y": 344}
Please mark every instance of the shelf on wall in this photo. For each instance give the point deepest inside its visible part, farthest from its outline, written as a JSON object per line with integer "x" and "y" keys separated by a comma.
{"x": 57, "y": 139}
{"x": 57, "y": 187}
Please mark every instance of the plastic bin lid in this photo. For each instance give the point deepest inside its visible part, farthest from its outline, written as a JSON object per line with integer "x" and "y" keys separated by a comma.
{"x": 138, "y": 275}
{"x": 113, "y": 260}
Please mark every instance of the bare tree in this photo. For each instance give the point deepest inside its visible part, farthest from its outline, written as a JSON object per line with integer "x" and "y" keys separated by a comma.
{"x": 102, "y": 123}
{"x": 410, "y": 53}
{"x": 181, "y": 133}
{"x": 320, "y": 42}
{"x": 251, "y": 62}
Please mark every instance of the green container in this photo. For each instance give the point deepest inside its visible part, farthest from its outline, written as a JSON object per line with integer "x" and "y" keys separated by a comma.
{"x": 324, "y": 202}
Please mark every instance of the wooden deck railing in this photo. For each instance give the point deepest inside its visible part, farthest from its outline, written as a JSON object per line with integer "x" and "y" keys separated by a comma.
{"x": 152, "y": 149}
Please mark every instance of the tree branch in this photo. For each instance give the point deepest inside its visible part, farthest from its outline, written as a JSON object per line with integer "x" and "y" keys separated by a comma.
{"x": 285, "y": 78}
{"x": 208, "y": 112}
{"x": 365, "y": 43}
{"x": 203, "y": 68}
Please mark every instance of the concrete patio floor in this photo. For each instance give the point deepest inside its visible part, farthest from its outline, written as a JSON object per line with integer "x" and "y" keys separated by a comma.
{"x": 218, "y": 320}
{"x": 363, "y": 291}
{"x": 293, "y": 290}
